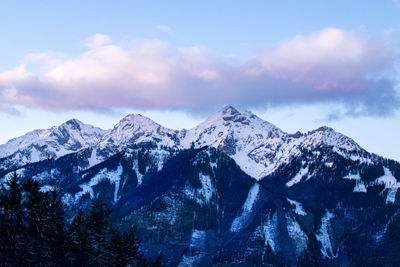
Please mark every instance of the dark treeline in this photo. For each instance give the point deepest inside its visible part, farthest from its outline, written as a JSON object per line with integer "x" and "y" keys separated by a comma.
{"x": 33, "y": 231}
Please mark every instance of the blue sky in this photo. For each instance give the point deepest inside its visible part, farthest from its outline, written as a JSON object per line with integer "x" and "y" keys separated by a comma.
{"x": 297, "y": 64}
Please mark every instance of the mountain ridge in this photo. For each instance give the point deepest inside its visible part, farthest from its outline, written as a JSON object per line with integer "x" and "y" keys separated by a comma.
{"x": 257, "y": 146}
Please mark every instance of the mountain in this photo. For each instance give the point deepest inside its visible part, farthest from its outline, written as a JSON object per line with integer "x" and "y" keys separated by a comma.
{"x": 55, "y": 142}
{"x": 259, "y": 147}
{"x": 233, "y": 190}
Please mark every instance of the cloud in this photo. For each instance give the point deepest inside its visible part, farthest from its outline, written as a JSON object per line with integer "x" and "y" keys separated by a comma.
{"x": 332, "y": 66}
{"x": 97, "y": 40}
{"x": 9, "y": 110}
{"x": 164, "y": 28}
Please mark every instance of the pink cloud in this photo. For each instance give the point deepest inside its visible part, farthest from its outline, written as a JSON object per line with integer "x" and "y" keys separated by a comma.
{"x": 331, "y": 59}
{"x": 329, "y": 65}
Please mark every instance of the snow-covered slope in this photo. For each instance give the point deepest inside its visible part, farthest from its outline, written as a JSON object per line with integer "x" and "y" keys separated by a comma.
{"x": 250, "y": 141}
{"x": 259, "y": 147}
{"x": 133, "y": 129}
{"x": 138, "y": 129}
{"x": 55, "y": 142}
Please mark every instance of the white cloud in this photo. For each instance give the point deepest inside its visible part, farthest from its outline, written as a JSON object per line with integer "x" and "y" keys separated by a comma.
{"x": 164, "y": 28}
{"x": 97, "y": 40}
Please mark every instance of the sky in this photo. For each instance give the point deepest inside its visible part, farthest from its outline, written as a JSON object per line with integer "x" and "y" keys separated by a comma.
{"x": 296, "y": 64}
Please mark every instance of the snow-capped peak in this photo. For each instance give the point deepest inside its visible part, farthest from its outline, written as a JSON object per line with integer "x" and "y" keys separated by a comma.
{"x": 74, "y": 131}
{"x": 226, "y": 124}
{"x": 135, "y": 128}
{"x": 55, "y": 142}
{"x": 328, "y": 137}
{"x": 238, "y": 134}
{"x": 231, "y": 116}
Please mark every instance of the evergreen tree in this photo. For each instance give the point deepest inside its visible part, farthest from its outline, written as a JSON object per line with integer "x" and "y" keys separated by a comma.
{"x": 79, "y": 245}
{"x": 12, "y": 224}
{"x": 35, "y": 213}
{"x": 99, "y": 227}
{"x": 54, "y": 228}
{"x": 33, "y": 232}
{"x": 125, "y": 248}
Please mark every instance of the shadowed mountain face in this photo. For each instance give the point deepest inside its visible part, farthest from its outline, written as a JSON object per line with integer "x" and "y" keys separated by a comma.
{"x": 234, "y": 189}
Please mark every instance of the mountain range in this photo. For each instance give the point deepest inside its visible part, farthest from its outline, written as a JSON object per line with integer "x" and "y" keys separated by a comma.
{"x": 233, "y": 190}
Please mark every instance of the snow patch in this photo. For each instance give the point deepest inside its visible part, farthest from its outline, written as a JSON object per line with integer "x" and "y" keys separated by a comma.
{"x": 113, "y": 176}
{"x": 297, "y": 178}
{"x": 298, "y": 207}
{"x": 247, "y": 207}
{"x": 360, "y": 186}
{"x": 329, "y": 164}
{"x": 390, "y": 183}
{"x": 138, "y": 174}
{"x": 197, "y": 249}
{"x": 206, "y": 189}
{"x": 270, "y": 231}
{"x": 93, "y": 160}
{"x": 46, "y": 188}
{"x": 296, "y": 234}
{"x": 353, "y": 177}
{"x": 323, "y": 236}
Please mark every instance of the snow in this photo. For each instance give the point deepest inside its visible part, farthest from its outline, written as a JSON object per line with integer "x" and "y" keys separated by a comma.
{"x": 360, "y": 186}
{"x": 55, "y": 142}
{"x": 270, "y": 231}
{"x": 247, "y": 207}
{"x": 113, "y": 176}
{"x": 297, "y": 178}
{"x": 190, "y": 193}
{"x": 296, "y": 234}
{"x": 136, "y": 129}
{"x": 388, "y": 180}
{"x": 46, "y": 188}
{"x": 240, "y": 134}
{"x": 198, "y": 239}
{"x": 391, "y": 196}
{"x": 46, "y": 175}
{"x": 257, "y": 146}
{"x": 251, "y": 198}
{"x": 138, "y": 174}
{"x": 323, "y": 236}
{"x": 329, "y": 164}
{"x": 353, "y": 177}
{"x": 68, "y": 199}
{"x": 206, "y": 189}
{"x": 381, "y": 234}
{"x": 93, "y": 160}
{"x": 390, "y": 183}
{"x": 298, "y": 207}
{"x": 197, "y": 249}
{"x": 201, "y": 195}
